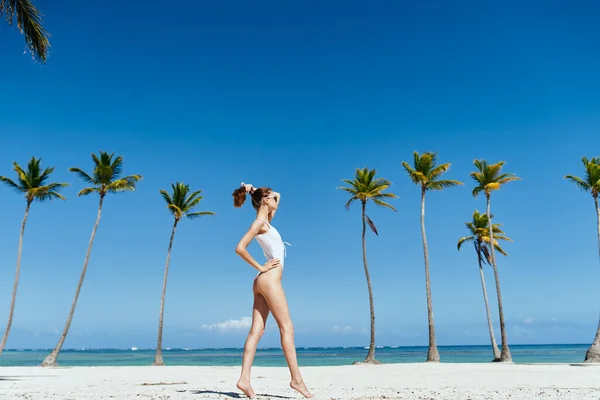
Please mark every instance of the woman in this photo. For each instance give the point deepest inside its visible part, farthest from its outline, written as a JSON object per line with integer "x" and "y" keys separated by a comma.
{"x": 268, "y": 292}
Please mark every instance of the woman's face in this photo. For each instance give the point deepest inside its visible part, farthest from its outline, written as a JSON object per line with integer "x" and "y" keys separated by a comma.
{"x": 270, "y": 201}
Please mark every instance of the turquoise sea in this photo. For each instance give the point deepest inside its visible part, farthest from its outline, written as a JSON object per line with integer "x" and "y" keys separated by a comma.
{"x": 273, "y": 357}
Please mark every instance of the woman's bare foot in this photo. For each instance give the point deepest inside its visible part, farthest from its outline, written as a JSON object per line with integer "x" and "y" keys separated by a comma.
{"x": 245, "y": 387}
{"x": 300, "y": 387}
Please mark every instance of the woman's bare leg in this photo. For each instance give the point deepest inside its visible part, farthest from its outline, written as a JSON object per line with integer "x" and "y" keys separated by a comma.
{"x": 273, "y": 293}
{"x": 260, "y": 312}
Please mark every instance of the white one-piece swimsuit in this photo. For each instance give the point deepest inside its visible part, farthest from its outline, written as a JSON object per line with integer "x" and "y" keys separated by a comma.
{"x": 271, "y": 243}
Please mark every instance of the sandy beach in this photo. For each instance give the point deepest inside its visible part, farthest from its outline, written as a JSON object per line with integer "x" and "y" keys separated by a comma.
{"x": 392, "y": 381}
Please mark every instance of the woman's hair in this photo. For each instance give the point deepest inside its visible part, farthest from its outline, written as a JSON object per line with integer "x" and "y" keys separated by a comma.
{"x": 239, "y": 196}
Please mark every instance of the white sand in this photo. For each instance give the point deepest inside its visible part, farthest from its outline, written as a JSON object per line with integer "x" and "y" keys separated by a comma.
{"x": 391, "y": 381}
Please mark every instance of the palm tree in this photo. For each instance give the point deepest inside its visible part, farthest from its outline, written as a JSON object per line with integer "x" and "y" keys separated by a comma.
{"x": 480, "y": 236}
{"x": 365, "y": 187}
{"x": 591, "y": 184}
{"x": 29, "y": 22}
{"x": 105, "y": 179}
{"x": 33, "y": 184}
{"x": 181, "y": 204}
{"x": 426, "y": 173}
{"x": 488, "y": 178}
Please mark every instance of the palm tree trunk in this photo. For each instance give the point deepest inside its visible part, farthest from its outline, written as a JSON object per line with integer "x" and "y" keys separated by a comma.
{"x": 495, "y": 349}
{"x": 371, "y": 354}
{"x": 432, "y": 353}
{"x": 50, "y": 361}
{"x": 16, "y": 284}
{"x": 158, "y": 361}
{"x": 593, "y": 353}
{"x": 597, "y": 221}
{"x": 505, "y": 354}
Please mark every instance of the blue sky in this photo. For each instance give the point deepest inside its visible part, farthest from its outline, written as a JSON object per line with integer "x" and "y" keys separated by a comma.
{"x": 296, "y": 96}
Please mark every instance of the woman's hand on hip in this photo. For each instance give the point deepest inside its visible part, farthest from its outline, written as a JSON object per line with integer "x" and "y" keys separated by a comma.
{"x": 269, "y": 265}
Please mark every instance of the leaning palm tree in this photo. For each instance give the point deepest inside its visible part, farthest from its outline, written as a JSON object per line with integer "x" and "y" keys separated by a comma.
{"x": 181, "y": 204}
{"x": 488, "y": 178}
{"x": 29, "y": 22}
{"x": 591, "y": 184}
{"x": 105, "y": 179}
{"x": 425, "y": 172}
{"x": 365, "y": 187}
{"x": 480, "y": 236}
{"x": 33, "y": 184}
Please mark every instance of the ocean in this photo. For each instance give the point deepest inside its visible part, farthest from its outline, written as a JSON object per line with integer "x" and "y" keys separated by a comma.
{"x": 273, "y": 357}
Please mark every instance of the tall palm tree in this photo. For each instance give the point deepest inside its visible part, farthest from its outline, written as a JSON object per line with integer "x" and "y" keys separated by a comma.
{"x": 365, "y": 187}
{"x": 488, "y": 178}
{"x": 591, "y": 183}
{"x": 480, "y": 236}
{"x": 29, "y": 22}
{"x": 105, "y": 179}
{"x": 425, "y": 172}
{"x": 180, "y": 204}
{"x": 33, "y": 184}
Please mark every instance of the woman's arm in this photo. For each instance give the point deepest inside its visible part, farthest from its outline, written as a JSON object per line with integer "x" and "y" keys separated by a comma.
{"x": 241, "y": 249}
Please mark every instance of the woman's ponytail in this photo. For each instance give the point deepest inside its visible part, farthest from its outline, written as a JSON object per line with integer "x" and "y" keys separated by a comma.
{"x": 239, "y": 196}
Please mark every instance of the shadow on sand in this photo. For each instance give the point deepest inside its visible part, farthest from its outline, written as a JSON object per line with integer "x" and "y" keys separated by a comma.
{"x": 584, "y": 365}
{"x": 9, "y": 378}
{"x": 234, "y": 395}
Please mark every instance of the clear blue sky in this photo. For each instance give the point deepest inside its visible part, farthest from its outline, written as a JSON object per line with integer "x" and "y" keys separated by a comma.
{"x": 296, "y": 96}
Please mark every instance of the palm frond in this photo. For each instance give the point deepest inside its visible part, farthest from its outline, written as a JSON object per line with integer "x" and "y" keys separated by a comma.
{"x": 463, "y": 240}
{"x": 487, "y": 256}
{"x": 477, "y": 190}
{"x": 176, "y": 211}
{"x": 195, "y": 215}
{"x": 352, "y": 191}
{"x": 500, "y": 250}
{"x": 438, "y": 170}
{"x": 49, "y": 192}
{"x": 413, "y": 175}
{"x": 96, "y": 160}
{"x": 116, "y": 167}
{"x": 48, "y": 195}
{"x": 44, "y": 175}
{"x": 380, "y": 183}
{"x": 347, "y": 205}
{"x": 192, "y": 199}
{"x": 87, "y": 191}
{"x": 579, "y": 182}
{"x": 12, "y": 184}
{"x": 83, "y": 175}
{"x": 29, "y": 23}
{"x": 441, "y": 185}
{"x": 189, "y": 204}
{"x": 502, "y": 237}
{"x": 126, "y": 184}
{"x": 507, "y": 179}
{"x": 349, "y": 182}
{"x": 385, "y": 196}
{"x": 383, "y": 204}
{"x": 165, "y": 195}
{"x": 372, "y": 225}
{"x": 22, "y": 175}
{"x": 591, "y": 182}
{"x": 57, "y": 186}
